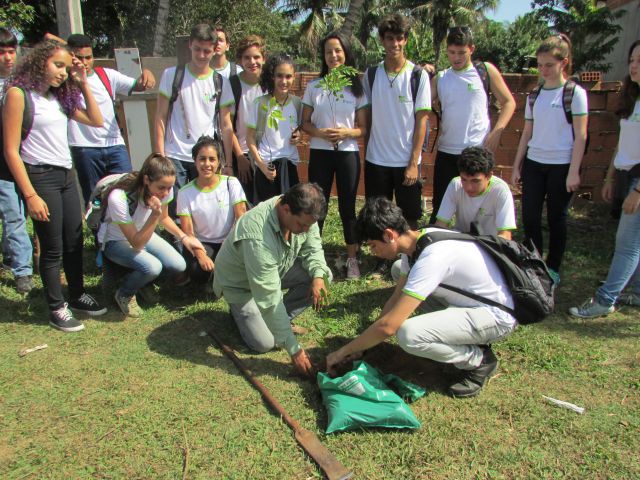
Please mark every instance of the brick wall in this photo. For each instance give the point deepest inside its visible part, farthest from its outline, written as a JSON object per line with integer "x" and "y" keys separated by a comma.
{"x": 603, "y": 132}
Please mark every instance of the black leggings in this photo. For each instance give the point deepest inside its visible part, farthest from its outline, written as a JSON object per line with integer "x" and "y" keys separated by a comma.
{"x": 60, "y": 237}
{"x": 323, "y": 164}
{"x": 542, "y": 181}
{"x": 444, "y": 170}
{"x": 265, "y": 188}
{"x": 196, "y": 273}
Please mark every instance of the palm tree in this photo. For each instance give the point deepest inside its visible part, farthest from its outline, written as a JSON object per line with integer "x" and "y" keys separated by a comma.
{"x": 318, "y": 17}
{"x": 354, "y": 14}
{"x": 442, "y": 14}
{"x": 161, "y": 27}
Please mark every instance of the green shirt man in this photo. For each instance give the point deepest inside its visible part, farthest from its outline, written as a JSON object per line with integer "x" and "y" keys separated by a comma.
{"x": 275, "y": 246}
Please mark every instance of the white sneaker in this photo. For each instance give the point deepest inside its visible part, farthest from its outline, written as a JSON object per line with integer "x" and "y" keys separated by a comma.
{"x": 591, "y": 309}
{"x": 353, "y": 270}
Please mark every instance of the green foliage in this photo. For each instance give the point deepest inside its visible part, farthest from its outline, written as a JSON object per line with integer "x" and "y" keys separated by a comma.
{"x": 510, "y": 46}
{"x": 16, "y": 15}
{"x": 337, "y": 79}
{"x": 592, "y": 29}
{"x": 274, "y": 115}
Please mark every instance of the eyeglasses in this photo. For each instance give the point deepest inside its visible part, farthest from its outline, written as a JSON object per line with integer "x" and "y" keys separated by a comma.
{"x": 465, "y": 30}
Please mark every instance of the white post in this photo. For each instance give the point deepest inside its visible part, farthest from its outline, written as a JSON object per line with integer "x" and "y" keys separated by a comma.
{"x": 69, "y": 17}
{"x": 135, "y": 108}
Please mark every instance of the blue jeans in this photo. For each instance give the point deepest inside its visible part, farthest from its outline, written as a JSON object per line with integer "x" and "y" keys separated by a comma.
{"x": 94, "y": 163}
{"x": 156, "y": 257}
{"x": 16, "y": 245}
{"x": 625, "y": 266}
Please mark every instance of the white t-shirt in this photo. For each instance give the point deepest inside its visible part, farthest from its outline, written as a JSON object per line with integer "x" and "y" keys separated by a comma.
{"x": 226, "y": 71}
{"x": 332, "y": 112}
{"x": 629, "y": 141}
{"x": 552, "y": 138}
{"x": 393, "y": 115}
{"x": 108, "y": 135}
{"x": 463, "y": 265}
{"x": 248, "y": 96}
{"x": 193, "y": 111}
{"x": 465, "y": 116}
{"x": 47, "y": 142}
{"x": 492, "y": 210}
{"x": 118, "y": 214}
{"x": 275, "y": 143}
{"x": 211, "y": 210}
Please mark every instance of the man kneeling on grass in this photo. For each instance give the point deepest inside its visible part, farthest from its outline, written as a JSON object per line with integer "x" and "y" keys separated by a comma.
{"x": 275, "y": 246}
{"x": 459, "y": 334}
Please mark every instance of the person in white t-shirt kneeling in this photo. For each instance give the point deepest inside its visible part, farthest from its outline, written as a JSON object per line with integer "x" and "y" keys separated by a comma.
{"x": 477, "y": 201}
{"x": 208, "y": 208}
{"x": 136, "y": 204}
{"x": 458, "y": 335}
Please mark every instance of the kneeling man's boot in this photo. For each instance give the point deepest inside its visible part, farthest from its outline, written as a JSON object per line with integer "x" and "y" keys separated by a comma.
{"x": 472, "y": 381}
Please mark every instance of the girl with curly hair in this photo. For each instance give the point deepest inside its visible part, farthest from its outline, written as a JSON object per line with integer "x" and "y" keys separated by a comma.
{"x": 43, "y": 172}
{"x": 273, "y": 130}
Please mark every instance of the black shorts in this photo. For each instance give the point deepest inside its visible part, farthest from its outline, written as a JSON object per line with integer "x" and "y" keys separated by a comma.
{"x": 382, "y": 181}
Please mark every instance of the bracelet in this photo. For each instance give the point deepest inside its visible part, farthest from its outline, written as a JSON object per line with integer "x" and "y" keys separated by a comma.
{"x": 184, "y": 235}
{"x": 34, "y": 194}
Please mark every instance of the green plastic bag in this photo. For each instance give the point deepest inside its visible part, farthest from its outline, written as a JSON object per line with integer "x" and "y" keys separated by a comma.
{"x": 362, "y": 398}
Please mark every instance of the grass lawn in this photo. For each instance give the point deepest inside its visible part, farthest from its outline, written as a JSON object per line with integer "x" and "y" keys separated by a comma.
{"x": 152, "y": 398}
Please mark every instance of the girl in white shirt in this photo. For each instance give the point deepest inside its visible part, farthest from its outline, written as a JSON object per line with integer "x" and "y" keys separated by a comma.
{"x": 553, "y": 149}
{"x": 335, "y": 123}
{"x": 136, "y": 205}
{"x": 52, "y": 83}
{"x": 624, "y": 170}
{"x": 272, "y": 130}
{"x": 208, "y": 208}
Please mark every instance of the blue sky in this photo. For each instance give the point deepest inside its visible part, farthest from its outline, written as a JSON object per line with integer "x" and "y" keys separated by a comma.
{"x": 510, "y": 9}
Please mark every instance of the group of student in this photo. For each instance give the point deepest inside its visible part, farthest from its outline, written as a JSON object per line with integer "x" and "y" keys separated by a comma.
{"x": 226, "y": 137}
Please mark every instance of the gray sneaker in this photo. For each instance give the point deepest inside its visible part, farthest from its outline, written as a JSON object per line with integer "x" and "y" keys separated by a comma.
{"x": 632, "y": 299}
{"x": 128, "y": 305}
{"x": 591, "y": 309}
{"x": 63, "y": 319}
{"x": 24, "y": 284}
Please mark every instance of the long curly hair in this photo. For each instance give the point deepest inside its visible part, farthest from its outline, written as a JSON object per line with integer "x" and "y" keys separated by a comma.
{"x": 268, "y": 76}
{"x": 630, "y": 90}
{"x": 31, "y": 73}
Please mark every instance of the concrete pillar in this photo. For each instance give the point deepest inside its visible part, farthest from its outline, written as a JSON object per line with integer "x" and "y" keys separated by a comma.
{"x": 69, "y": 17}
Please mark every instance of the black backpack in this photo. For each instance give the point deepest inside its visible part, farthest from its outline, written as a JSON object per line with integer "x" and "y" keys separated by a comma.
{"x": 568, "y": 89}
{"x": 236, "y": 88}
{"x": 27, "y": 123}
{"x": 525, "y": 272}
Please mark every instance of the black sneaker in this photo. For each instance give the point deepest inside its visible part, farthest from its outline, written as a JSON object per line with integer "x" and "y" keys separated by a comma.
{"x": 380, "y": 270}
{"x": 63, "y": 319}
{"x": 471, "y": 381}
{"x": 24, "y": 284}
{"x": 87, "y": 304}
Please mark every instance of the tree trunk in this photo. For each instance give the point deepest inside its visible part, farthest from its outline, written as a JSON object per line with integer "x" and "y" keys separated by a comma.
{"x": 354, "y": 14}
{"x": 161, "y": 27}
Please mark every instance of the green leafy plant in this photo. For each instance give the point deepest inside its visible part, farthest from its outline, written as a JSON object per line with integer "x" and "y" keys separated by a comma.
{"x": 274, "y": 114}
{"x": 334, "y": 83}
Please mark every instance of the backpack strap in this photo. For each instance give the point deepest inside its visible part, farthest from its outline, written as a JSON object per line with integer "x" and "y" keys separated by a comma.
{"x": 178, "y": 78}
{"x": 568, "y": 90}
{"x": 132, "y": 202}
{"x": 371, "y": 76}
{"x": 427, "y": 239}
{"x": 27, "y": 115}
{"x": 297, "y": 103}
{"x": 416, "y": 74}
{"x": 217, "y": 83}
{"x": 483, "y": 73}
{"x": 261, "y": 124}
{"x": 533, "y": 96}
{"x": 236, "y": 88}
{"x": 233, "y": 69}
{"x": 102, "y": 75}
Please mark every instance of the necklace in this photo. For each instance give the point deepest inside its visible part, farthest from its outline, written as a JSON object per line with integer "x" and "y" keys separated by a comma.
{"x": 391, "y": 82}
{"x": 283, "y": 103}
